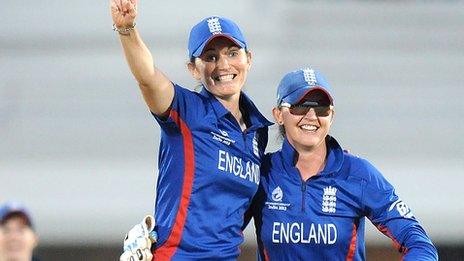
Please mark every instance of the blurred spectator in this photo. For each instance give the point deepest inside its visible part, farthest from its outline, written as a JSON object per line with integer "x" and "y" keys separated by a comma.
{"x": 17, "y": 236}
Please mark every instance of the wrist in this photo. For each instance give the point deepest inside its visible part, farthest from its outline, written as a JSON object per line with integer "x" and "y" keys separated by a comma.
{"x": 124, "y": 30}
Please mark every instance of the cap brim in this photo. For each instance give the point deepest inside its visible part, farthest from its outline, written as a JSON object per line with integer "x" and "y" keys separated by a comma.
{"x": 298, "y": 96}
{"x": 199, "y": 50}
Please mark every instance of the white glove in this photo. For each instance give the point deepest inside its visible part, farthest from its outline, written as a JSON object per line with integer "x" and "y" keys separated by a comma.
{"x": 137, "y": 243}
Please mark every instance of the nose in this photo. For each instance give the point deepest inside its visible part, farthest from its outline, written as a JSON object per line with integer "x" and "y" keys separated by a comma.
{"x": 311, "y": 114}
{"x": 223, "y": 62}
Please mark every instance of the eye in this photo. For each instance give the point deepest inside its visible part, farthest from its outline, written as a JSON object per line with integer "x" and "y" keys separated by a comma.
{"x": 210, "y": 58}
{"x": 233, "y": 53}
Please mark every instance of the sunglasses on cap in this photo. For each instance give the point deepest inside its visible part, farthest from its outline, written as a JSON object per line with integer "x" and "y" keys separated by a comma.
{"x": 303, "y": 108}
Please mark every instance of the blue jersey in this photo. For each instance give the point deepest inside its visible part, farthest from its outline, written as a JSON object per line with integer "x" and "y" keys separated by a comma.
{"x": 209, "y": 171}
{"x": 323, "y": 218}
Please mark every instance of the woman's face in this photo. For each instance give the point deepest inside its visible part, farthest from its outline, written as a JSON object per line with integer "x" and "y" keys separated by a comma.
{"x": 222, "y": 67}
{"x": 307, "y": 131}
{"x": 17, "y": 239}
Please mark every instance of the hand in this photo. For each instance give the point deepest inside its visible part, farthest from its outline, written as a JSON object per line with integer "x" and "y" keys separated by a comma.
{"x": 137, "y": 255}
{"x": 137, "y": 243}
{"x": 123, "y": 12}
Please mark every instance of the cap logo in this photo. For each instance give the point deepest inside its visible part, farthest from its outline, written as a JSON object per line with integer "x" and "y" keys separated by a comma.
{"x": 214, "y": 25}
{"x": 309, "y": 76}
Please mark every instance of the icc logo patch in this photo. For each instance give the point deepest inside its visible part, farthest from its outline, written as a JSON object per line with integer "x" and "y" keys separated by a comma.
{"x": 276, "y": 204}
{"x": 277, "y": 194}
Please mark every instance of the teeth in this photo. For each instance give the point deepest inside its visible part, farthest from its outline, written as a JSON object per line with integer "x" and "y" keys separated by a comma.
{"x": 308, "y": 127}
{"x": 225, "y": 78}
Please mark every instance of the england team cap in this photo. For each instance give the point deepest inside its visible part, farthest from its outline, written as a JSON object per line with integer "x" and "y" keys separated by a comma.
{"x": 10, "y": 209}
{"x": 295, "y": 85}
{"x": 210, "y": 28}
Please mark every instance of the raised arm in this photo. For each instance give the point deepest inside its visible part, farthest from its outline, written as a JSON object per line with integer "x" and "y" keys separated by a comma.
{"x": 157, "y": 89}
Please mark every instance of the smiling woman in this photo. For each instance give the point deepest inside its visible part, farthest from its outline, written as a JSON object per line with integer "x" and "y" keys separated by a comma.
{"x": 326, "y": 192}
{"x": 223, "y": 67}
{"x": 205, "y": 137}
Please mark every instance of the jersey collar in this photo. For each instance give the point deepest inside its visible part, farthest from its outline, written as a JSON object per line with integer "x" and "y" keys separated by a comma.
{"x": 334, "y": 158}
{"x": 256, "y": 118}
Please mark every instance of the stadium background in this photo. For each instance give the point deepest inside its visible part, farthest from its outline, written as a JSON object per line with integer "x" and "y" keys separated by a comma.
{"x": 79, "y": 147}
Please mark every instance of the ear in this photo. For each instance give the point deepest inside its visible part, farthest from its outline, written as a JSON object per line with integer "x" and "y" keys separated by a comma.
{"x": 332, "y": 117}
{"x": 249, "y": 56}
{"x": 36, "y": 240}
{"x": 277, "y": 113}
{"x": 194, "y": 70}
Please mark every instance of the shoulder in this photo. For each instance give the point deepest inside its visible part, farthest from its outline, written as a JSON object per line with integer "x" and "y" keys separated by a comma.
{"x": 360, "y": 167}
{"x": 373, "y": 179}
{"x": 191, "y": 106}
{"x": 266, "y": 162}
{"x": 272, "y": 158}
{"x": 183, "y": 91}
{"x": 269, "y": 162}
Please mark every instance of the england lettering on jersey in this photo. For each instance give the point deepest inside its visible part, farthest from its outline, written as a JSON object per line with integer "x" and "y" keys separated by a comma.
{"x": 232, "y": 164}
{"x": 304, "y": 233}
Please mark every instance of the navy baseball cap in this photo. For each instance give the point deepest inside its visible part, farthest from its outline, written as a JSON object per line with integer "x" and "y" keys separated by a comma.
{"x": 295, "y": 85}
{"x": 10, "y": 209}
{"x": 210, "y": 28}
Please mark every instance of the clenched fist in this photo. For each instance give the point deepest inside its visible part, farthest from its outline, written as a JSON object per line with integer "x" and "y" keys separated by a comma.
{"x": 123, "y": 13}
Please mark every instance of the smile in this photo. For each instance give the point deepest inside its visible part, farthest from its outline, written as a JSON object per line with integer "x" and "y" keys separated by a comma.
{"x": 225, "y": 77}
{"x": 308, "y": 127}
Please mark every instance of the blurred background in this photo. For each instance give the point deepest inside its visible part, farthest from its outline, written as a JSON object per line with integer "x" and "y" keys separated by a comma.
{"x": 79, "y": 147}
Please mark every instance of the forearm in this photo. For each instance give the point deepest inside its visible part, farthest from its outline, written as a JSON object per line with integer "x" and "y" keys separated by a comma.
{"x": 418, "y": 246}
{"x": 156, "y": 88}
{"x": 138, "y": 58}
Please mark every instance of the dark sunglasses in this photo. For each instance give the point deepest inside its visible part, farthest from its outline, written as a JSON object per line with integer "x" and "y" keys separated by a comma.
{"x": 303, "y": 108}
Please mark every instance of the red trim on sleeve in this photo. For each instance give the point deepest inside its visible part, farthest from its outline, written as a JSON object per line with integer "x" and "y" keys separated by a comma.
{"x": 396, "y": 244}
{"x": 352, "y": 248}
{"x": 266, "y": 255}
{"x": 169, "y": 247}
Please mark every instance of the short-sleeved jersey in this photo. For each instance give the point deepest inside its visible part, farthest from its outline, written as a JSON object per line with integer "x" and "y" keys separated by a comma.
{"x": 209, "y": 171}
{"x": 322, "y": 218}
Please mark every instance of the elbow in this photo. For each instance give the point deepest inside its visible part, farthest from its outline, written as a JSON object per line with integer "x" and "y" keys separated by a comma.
{"x": 144, "y": 86}
{"x": 147, "y": 81}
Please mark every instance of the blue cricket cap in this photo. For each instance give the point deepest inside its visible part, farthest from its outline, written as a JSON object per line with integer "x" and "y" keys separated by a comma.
{"x": 295, "y": 85}
{"x": 210, "y": 28}
{"x": 10, "y": 209}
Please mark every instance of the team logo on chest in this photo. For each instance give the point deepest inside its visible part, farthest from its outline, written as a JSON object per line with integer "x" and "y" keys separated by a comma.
{"x": 255, "y": 146}
{"x": 329, "y": 200}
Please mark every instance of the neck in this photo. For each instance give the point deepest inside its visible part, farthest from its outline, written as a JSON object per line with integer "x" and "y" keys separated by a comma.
{"x": 232, "y": 104}
{"x": 312, "y": 161}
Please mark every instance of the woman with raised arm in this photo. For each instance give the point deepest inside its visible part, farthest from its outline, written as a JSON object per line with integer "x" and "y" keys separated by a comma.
{"x": 314, "y": 196}
{"x": 211, "y": 142}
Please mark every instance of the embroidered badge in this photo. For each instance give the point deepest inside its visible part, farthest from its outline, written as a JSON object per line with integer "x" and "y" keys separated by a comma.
{"x": 309, "y": 76}
{"x": 329, "y": 200}
{"x": 277, "y": 194}
{"x": 214, "y": 25}
{"x": 255, "y": 146}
